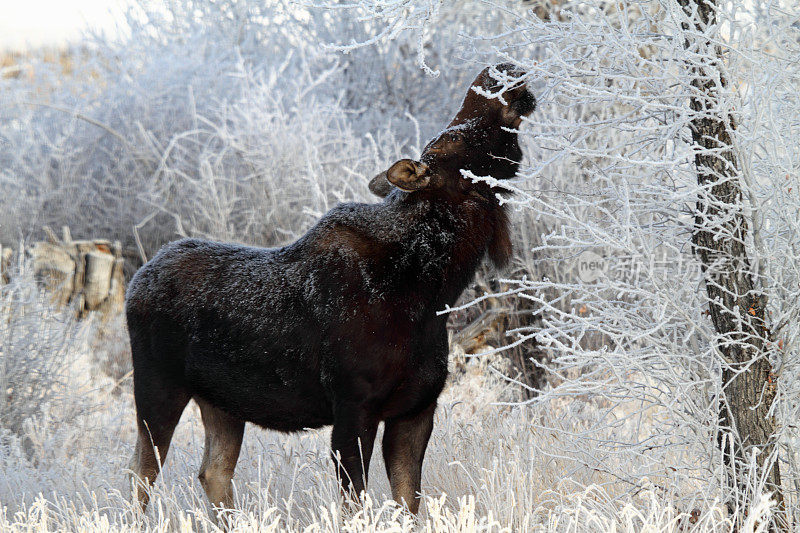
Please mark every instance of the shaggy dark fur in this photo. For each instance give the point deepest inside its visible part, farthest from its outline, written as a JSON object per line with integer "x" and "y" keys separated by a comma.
{"x": 339, "y": 327}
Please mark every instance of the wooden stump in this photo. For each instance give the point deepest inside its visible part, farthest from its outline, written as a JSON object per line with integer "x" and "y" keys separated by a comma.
{"x": 56, "y": 268}
{"x": 86, "y": 274}
{"x": 5, "y": 262}
{"x": 97, "y": 281}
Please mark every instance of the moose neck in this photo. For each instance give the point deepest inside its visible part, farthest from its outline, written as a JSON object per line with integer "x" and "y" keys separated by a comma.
{"x": 465, "y": 228}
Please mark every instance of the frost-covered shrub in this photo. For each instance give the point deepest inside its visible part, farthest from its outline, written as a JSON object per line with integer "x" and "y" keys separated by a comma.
{"x": 231, "y": 120}
{"x": 38, "y": 345}
{"x": 110, "y": 348}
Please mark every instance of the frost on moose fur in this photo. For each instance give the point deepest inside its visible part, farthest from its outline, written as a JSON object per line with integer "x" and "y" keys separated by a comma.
{"x": 339, "y": 327}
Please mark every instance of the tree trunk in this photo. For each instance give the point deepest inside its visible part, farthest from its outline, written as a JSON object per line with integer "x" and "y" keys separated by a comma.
{"x": 736, "y": 305}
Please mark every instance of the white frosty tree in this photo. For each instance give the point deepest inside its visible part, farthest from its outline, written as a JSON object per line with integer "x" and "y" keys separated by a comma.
{"x": 737, "y": 301}
{"x": 665, "y": 143}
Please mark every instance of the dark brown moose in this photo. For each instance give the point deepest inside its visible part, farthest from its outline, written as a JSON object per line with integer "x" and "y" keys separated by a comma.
{"x": 339, "y": 327}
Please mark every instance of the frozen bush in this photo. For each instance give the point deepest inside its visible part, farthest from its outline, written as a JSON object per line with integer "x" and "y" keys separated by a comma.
{"x": 38, "y": 345}
{"x": 231, "y": 120}
{"x": 111, "y": 352}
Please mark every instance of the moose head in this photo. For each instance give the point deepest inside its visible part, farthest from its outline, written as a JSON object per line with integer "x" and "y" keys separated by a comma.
{"x": 481, "y": 138}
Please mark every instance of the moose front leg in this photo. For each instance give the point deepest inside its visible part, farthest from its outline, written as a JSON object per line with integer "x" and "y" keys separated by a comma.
{"x": 404, "y": 442}
{"x": 351, "y": 443}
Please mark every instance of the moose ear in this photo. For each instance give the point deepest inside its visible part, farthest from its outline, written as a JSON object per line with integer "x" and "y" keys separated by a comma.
{"x": 380, "y": 186}
{"x": 408, "y": 175}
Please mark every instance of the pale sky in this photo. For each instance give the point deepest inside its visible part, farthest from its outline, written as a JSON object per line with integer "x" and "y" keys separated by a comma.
{"x": 33, "y": 23}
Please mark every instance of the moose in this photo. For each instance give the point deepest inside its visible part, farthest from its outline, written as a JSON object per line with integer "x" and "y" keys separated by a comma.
{"x": 337, "y": 328}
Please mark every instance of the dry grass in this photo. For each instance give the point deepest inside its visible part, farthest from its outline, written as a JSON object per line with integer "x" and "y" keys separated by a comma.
{"x": 20, "y": 64}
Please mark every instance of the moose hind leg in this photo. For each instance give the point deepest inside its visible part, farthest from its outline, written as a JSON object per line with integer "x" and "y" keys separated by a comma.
{"x": 157, "y": 415}
{"x": 352, "y": 440}
{"x": 224, "y": 435}
{"x": 404, "y": 442}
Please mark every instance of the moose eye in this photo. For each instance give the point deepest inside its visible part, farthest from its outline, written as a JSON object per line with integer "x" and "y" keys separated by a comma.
{"x": 448, "y": 143}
